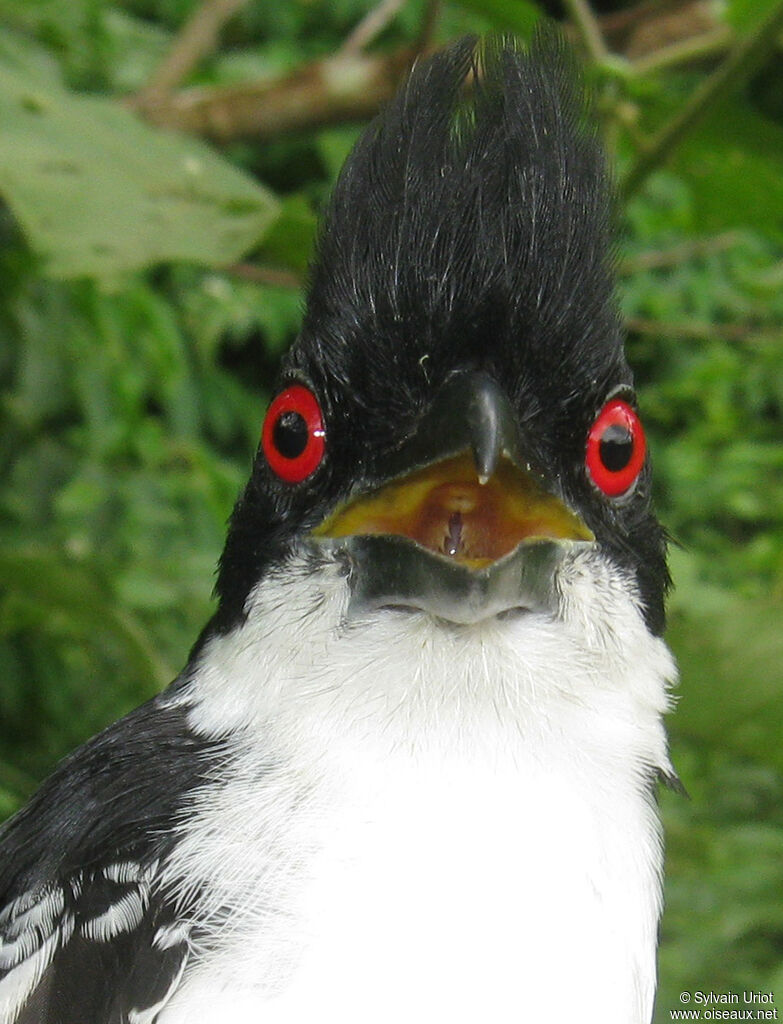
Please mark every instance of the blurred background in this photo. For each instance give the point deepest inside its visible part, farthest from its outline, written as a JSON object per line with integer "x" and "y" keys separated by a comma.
{"x": 162, "y": 164}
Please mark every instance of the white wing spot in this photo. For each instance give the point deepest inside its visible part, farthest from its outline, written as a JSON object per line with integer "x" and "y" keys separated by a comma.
{"x": 31, "y": 910}
{"x": 39, "y": 915}
{"x": 27, "y": 922}
{"x": 13, "y": 953}
{"x": 123, "y": 916}
{"x": 123, "y": 872}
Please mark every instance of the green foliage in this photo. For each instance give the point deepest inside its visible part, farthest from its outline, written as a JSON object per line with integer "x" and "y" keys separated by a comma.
{"x": 735, "y": 167}
{"x": 137, "y": 358}
{"x": 745, "y": 14}
{"x": 520, "y": 17}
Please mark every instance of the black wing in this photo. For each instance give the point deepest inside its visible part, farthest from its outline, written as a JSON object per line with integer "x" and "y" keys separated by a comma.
{"x": 87, "y": 935}
{"x": 100, "y": 947}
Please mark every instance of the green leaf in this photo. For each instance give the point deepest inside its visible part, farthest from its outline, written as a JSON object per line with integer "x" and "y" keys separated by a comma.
{"x": 734, "y": 164}
{"x": 745, "y": 14}
{"x": 17, "y": 51}
{"x": 98, "y": 192}
{"x": 290, "y": 240}
{"x": 334, "y": 145}
{"x": 518, "y": 16}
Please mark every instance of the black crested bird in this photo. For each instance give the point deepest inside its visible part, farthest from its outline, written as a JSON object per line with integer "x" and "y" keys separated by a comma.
{"x": 408, "y": 772}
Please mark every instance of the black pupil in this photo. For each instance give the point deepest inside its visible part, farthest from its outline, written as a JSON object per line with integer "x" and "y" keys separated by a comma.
{"x": 616, "y": 447}
{"x": 290, "y": 434}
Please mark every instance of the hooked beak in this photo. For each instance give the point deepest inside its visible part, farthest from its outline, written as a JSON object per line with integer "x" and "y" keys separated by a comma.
{"x": 464, "y": 528}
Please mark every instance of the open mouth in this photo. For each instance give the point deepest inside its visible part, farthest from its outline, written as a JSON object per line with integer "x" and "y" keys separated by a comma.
{"x": 446, "y": 509}
{"x": 464, "y": 529}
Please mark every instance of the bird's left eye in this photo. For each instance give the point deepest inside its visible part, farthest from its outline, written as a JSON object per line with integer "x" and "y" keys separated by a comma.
{"x": 293, "y": 438}
{"x": 615, "y": 448}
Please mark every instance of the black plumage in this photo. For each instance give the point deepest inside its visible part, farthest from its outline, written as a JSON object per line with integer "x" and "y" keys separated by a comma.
{"x": 93, "y": 836}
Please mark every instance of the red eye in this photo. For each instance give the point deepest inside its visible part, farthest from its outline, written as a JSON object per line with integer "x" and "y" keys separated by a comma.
{"x": 615, "y": 448}
{"x": 293, "y": 437}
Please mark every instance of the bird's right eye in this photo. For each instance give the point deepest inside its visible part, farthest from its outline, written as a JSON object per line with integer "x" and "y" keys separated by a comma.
{"x": 615, "y": 448}
{"x": 293, "y": 438}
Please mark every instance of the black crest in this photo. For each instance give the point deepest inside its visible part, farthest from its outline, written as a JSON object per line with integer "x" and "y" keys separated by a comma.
{"x": 470, "y": 223}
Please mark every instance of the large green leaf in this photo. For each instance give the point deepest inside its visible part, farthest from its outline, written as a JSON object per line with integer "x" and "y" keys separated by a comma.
{"x": 98, "y": 192}
{"x": 734, "y": 163}
{"x": 290, "y": 240}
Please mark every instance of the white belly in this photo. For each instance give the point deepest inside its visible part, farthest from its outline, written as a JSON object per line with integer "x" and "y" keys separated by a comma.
{"x": 445, "y": 889}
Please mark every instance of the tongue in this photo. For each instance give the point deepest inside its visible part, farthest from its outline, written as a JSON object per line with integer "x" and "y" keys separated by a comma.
{"x": 469, "y": 522}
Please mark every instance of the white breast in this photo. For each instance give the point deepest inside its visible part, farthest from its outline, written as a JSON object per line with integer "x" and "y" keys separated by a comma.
{"x": 438, "y": 826}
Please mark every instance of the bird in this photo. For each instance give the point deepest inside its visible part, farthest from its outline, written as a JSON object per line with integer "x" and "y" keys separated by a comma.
{"x": 410, "y": 769}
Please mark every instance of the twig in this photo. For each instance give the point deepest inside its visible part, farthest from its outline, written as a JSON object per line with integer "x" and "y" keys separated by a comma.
{"x": 618, "y": 22}
{"x": 682, "y": 19}
{"x": 264, "y": 275}
{"x": 746, "y": 56}
{"x": 685, "y": 51}
{"x": 197, "y": 37}
{"x": 677, "y": 254}
{"x": 338, "y": 89}
{"x": 589, "y": 29}
{"x": 371, "y": 25}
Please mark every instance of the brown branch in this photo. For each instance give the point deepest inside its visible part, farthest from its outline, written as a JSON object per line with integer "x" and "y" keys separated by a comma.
{"x": 654, "y": 30}
{"x": 264, "y": 275}
{"x": 656, "y": 259}
{"x": 685, "y": 51}
{"x": 197, "y": 37}
{"x": 618, "y": 23}
{"x": 338, "y": 89}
